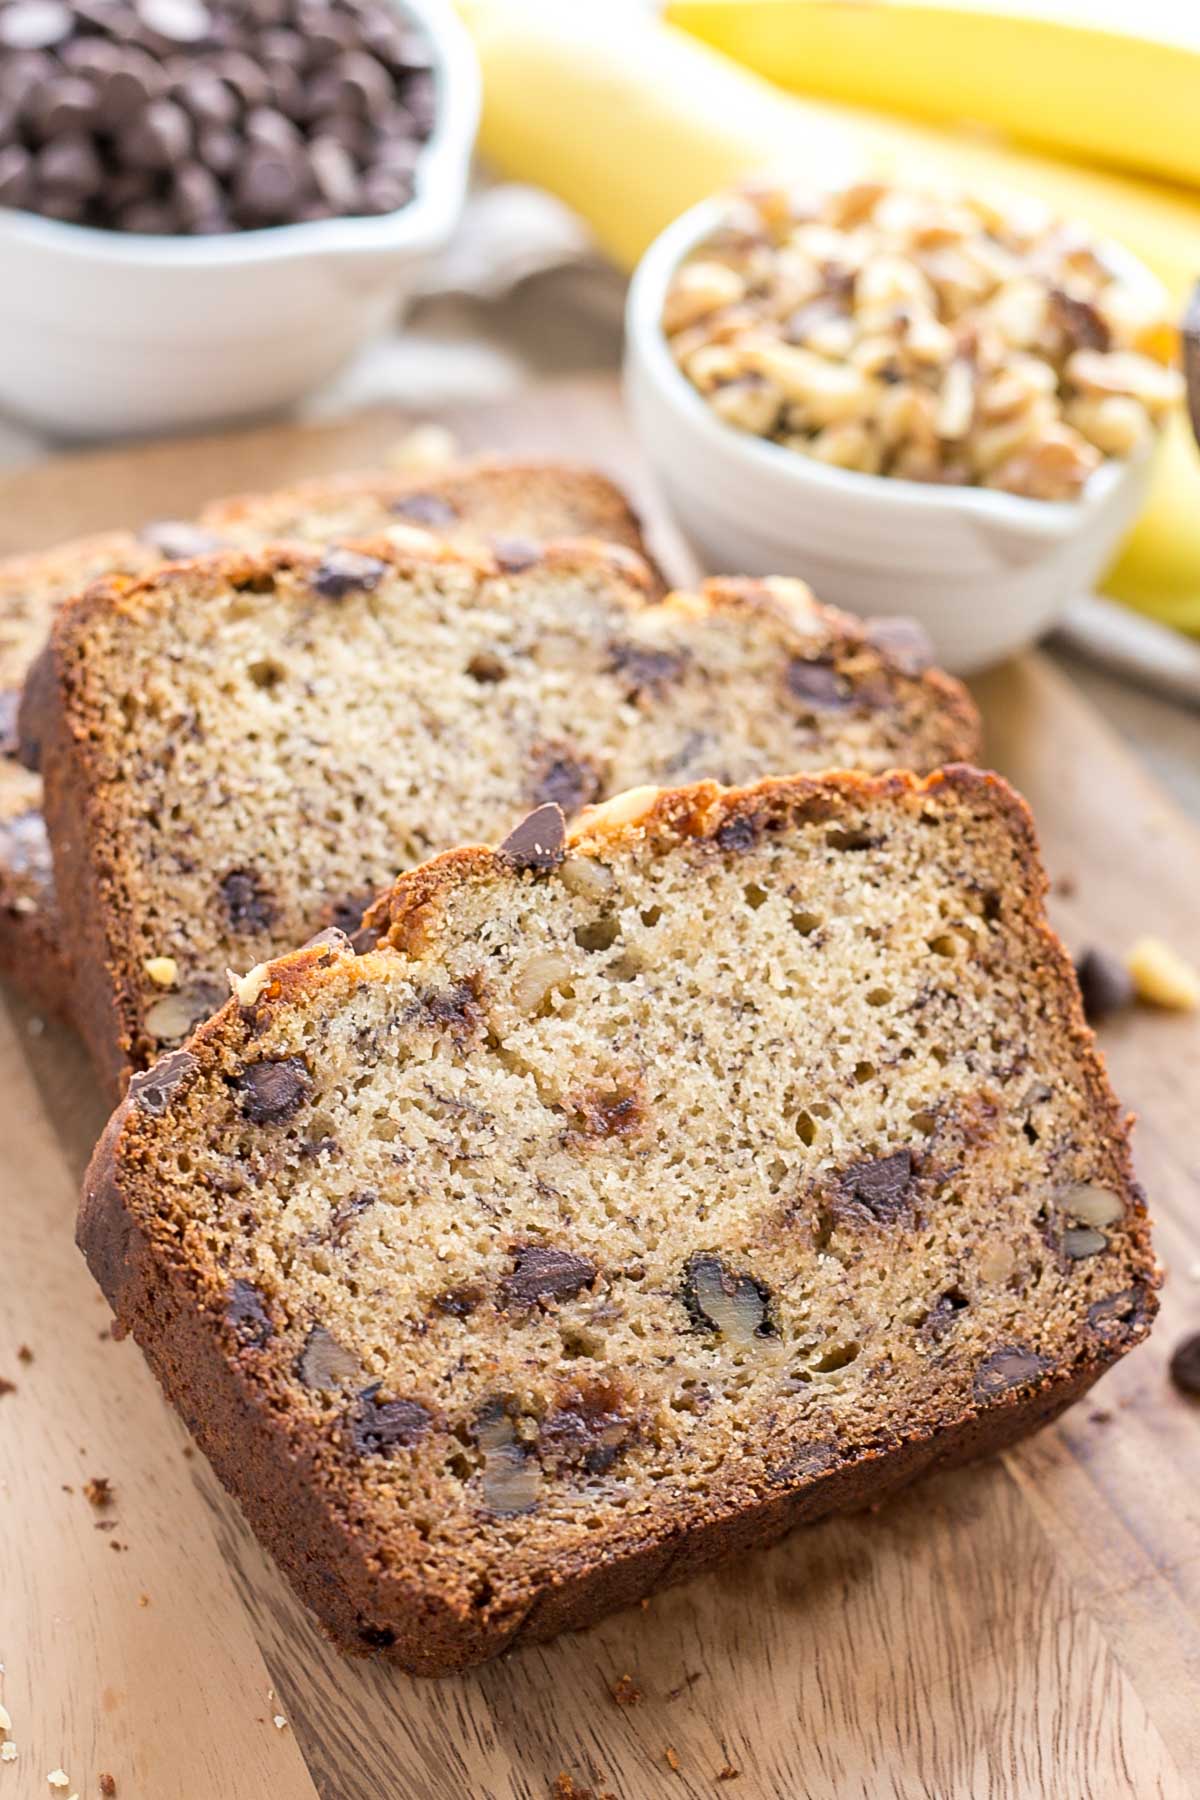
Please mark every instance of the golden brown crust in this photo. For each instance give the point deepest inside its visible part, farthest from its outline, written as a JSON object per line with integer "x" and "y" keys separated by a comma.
{"x": 298, "y": 1501}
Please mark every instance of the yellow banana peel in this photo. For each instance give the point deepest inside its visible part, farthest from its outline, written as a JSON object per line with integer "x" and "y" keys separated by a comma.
{"x": 630, "y": 121}
{"x": 1113, "y": 84}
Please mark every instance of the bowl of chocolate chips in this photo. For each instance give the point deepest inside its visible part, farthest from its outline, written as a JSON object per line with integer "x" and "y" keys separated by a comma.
{"x": 207, "y": 206}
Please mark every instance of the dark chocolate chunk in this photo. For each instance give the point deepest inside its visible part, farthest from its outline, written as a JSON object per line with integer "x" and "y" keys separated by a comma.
{"x": 341, "y": 572}
{"x": 1011, "y": 1366}
{"x": 429, "y": 510}
{"x": 1185, "y": 1365}
{"x": 247, "y": 902}
{"x": 487, "y": 668}
{"x": 273, "y": 1091}
{"x": 1105, "y": 984}
{"x": 514, "y": 554}
{"x": 150, "y": 1089}
{"x": 565, "y": 780}
{"x": 377, "y": 1427}
{"x": 324, "y": 1363}
{"x": 905, "y": 644}
{"x": 537, "y": 842}
{"x": 816, "y": 683}
{"x": 542, "y": 1273}
{"x": 587, "y": 1430}
{"x": 1117, "y": 1316}
{"x": 738, "y": 834}
{"x": 644, "y": 671}
{"x": 245, "y": 1311}
{"x": 717, "y": 1300}
{"x": 881, "y": 1185}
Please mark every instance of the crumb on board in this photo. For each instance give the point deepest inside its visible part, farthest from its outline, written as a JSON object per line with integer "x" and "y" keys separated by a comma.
{"x": 108, "y": 1784}
{"x": 672, "y": 1759}
{"x": 98, "y": 1491}
{"x": 24, "y": 1353}
{"x": 626, "y": 1691}
{"x": 6, "y": 1386}
{"x": 729, "y": 1773}
{"x": 143, "y": 1599}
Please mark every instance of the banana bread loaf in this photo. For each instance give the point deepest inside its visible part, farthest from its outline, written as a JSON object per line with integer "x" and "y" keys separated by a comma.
{"x": 641, "y": 1195}
{"x": 468, "y": 503}
{"x": 243, "y": 749}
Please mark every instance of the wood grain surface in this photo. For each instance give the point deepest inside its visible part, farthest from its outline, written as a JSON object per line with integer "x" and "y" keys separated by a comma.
{"x": 1029, "y": 1627}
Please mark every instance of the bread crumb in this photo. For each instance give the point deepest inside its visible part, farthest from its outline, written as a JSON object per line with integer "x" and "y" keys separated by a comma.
{"x": 108, "y": 1785}
{"x": 24, "y": 1353}
{"x": 143, "y": 1599}
{"x": 729, "y": 1773}
{"x": 1162, "y": 977}
{"x": 6, "y": 1386}
{"x": 162, "y": 970}
{"x": 672, "y": 1760}
{"x": 98, "y": 1491}
{"x": 626, "y": 1692}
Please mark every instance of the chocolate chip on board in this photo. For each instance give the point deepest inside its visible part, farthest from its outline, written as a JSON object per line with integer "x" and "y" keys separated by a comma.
{"x": 1105, "y": 985}
{"x": 1185, "y": 1366}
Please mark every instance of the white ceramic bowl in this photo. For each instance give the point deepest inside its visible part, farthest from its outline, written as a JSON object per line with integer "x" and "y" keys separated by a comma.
{"x": 986, "y": 573}
{"x": 104, "y": 334}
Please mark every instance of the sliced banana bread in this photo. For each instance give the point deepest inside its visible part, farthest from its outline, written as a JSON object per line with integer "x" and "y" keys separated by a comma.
{"x": 638, "y": 1197}
{"x": 468, "y": 503}
{"x": 243, "y": 749}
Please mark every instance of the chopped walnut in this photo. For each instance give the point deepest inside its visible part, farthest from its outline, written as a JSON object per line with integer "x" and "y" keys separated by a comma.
{"x": 934, "y": 338}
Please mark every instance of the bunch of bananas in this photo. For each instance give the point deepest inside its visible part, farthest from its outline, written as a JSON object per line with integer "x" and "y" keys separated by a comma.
{"x": 630, "y": 125}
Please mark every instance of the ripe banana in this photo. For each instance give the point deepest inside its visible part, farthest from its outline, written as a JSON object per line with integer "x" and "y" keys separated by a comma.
{"x": 630, "y": 124}
{"x": 1106, "y": 82}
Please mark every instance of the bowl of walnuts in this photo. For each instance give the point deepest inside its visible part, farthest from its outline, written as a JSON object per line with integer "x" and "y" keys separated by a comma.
{"x": 941, "y": 404}
{"x": 207, "y": 206}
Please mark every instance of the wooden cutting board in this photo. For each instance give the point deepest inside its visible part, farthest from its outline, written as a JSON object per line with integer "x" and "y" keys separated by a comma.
{"x": 1028, "y": 1627}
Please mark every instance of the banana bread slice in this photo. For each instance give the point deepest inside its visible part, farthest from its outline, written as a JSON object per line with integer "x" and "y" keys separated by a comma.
{"x": 469, "y": 503}
{"x": 639, "y": 1196}
{"x": 244, "y": 749}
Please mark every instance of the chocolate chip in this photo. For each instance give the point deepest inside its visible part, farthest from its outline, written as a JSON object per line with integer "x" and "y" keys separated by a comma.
{"x": 247, "y": 902}
{"x": 646, "y": 672}
{"x": 341, "y": 572}
{"x": 881, "y": 1185}
{"x": 717, "y": 1300}
{"x": 245, "y": 1311}
{"x": 738, "y": 834}
{"x": 1185, "y": 1365}
{"x": 273, "y": 1091}
{"x": 942, "y": 1314}
{"x": 487, "y": 668}
{"x": 151, "y": 1089}
{"x": 1105, "y": 984}
{"x": 16, "y": 176}
{"x": 905, "y": 644}
{"x": 565, "y": 780}
{"x": 1011, "y": 1366}
{"x": 513, "y": 554}
{"x": 324, "y": 1363}
{"x": 817, "y": 683}
{"x": 588, "y": 1429}
{"x": 1117, "y": 1316}
{"x": 605, "y": 1113}
{"x": 424, "y": 509}
{"x": 70, "y": 165}
{"x": 377, "y": 1427}
{"x": 458, "y": 1303}
{"x": 537, "y": 842}
{"x": 178, "y": 540}
{"x": 541, "y": 1273}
